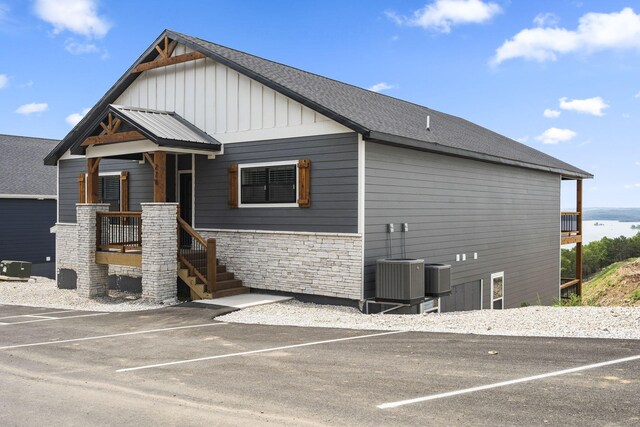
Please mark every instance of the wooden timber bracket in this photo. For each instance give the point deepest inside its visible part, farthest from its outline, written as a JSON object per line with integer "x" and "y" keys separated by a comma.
{"x": 110, "y": 134}
{"x": 164, "y": 59}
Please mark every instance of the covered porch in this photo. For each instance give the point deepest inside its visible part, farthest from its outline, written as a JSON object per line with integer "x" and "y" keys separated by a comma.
{"x": 158, "y": 239}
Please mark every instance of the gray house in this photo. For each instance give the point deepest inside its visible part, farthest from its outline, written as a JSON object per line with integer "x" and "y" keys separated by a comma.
{"x": 257, "y": 175}
{"x": 27, "y": 203}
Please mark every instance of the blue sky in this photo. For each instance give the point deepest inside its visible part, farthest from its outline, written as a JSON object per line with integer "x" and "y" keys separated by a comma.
{"x": 498, "y": 63}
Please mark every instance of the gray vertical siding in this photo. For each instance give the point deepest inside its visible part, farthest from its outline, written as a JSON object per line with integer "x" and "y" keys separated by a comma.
{"x": 508, "y": 215}
{"x": 334, "y": 186}
{"x": 140, "y": 183}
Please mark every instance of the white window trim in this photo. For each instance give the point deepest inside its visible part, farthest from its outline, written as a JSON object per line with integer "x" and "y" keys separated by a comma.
{"x": 493, "y": 276}
{"x": 86, "y": 187}
{"x": 261, "y": 165}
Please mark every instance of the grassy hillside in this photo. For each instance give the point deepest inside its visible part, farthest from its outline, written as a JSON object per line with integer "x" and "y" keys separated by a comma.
{"x": 615, "y": 285}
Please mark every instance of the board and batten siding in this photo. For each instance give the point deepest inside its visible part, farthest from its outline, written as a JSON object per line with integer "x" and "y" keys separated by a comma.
{"x": 140, "y": 183}
{"x": 509, "y": 216}
{"x": 334, "y": 186}
{"x": 223, "y": 102}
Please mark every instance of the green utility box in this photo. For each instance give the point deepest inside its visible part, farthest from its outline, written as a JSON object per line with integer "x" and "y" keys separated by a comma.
{"x": 15, "y": 270}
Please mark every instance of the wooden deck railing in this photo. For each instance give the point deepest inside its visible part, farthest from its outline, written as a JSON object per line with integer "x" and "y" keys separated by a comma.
{"x": 570, "y": 222}
{"x": 567, "y": 282}
{"x": 119, "y": 231}
{"x": 197, "y": 254}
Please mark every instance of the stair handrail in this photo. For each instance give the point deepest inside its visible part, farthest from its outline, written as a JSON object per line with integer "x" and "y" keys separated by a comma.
{"x": 208, "y": 273}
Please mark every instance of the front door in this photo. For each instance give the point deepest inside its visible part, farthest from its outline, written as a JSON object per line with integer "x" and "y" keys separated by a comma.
{"x": 185, "y": 199}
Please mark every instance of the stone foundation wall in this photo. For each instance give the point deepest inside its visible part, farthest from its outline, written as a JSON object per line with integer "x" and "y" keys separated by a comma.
{"x": 328, "y": 264}
{"x": 124, "y": 270}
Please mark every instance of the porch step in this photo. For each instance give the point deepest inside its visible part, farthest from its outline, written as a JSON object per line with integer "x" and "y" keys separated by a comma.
{"x": 230, "y": 292}
{"x": 226, "y": 284}
{"x": 221, "y": 277}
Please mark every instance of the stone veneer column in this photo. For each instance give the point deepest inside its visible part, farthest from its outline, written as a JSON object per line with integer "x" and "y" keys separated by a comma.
{"x": 159, "y": 251}
{"x": 92, "y": 278}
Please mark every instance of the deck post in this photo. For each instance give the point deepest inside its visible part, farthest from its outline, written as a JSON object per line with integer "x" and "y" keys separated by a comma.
{"x": 159, "y": 177}
{"x": 93, "y": 172}
{"x": 579, "y": 244}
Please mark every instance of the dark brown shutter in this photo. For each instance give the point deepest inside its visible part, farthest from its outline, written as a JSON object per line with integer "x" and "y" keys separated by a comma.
{"x": 233, "y": 186}
{"x": 304, "y": 183}
{"x": 124, "y": 191}
{"x": 82, "y": 190}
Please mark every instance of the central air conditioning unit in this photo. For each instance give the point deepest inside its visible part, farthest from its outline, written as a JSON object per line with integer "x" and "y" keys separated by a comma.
{"x": 15, "y": 270}
{"x": 437, "y": 280}
{"x": 400, "y": 280}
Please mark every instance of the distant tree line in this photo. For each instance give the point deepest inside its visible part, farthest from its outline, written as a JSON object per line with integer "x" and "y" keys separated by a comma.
{"x": 599, "y": 254}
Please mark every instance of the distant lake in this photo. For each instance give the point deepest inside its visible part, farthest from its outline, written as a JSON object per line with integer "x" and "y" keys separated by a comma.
{"x": 611, "y": 229}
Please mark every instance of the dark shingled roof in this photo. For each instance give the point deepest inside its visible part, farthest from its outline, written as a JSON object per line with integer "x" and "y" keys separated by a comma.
{"x": 376, "y": 116}
{"x": 21, "y": 168}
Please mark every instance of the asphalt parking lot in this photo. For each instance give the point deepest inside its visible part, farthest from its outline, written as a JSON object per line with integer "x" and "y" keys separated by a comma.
{"x": 180, "y": 366}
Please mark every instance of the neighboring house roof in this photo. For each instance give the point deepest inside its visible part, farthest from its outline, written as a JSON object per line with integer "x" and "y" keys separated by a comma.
{"x": 376, "y": 116}
{"x": 163, "y": 127}
{"x": 21, "y": 170}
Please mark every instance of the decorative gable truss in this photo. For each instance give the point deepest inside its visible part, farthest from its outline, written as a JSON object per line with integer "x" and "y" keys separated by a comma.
{"x": 219, "y": 100}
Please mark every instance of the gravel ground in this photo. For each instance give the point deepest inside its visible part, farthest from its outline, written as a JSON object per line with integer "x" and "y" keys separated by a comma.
{"x": 575, "y": 322}
{"x": 43, "y": 292}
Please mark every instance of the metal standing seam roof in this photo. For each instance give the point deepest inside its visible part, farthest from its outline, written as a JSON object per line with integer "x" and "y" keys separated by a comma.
{"x": 162, "y": 125}
{"x": 21, "y": 168}
{"x": 376, "y": 116}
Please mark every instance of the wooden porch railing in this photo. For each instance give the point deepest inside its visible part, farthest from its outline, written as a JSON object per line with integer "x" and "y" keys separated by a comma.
{"x": 570, "y": 222}
{"x": 197, "y": 254}
{"x": 119, "y": 231}
{"x": 567, "y": 282}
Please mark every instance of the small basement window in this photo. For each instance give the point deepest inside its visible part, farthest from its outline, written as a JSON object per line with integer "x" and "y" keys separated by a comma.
{"x": 497, "y": 291}
{"x": 269, "y": 185}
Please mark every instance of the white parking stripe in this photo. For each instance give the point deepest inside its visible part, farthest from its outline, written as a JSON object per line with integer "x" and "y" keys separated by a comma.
{"x": 506, "y": 383}
{"x": 264, "y": 350}
{"x": 148, "y": 331}
{"x": 36, "y": 314}
{"x": 39, "y": 317}
{"x": 52, "y": 319}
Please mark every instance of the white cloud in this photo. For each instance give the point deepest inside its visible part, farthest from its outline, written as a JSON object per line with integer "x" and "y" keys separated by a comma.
{"x": 78, "y": 16}
{"x": 632, "y": 185}
{"x": 441, "y": 15}
{"x": 551, "y": 114}
{"x": 637, "y": 163}
{"x": 74, "y": 118}
{"x": 637, "y": 95}
{"x": 4, "y": 80}
{"x": 593, "y": 106}
{"x": 595, "y": 32}
{"x": 555, "y": 136}
{"x": 379, "y": 87}
{"x": 34, "y": 107}
{"x": 546, "y": 20}
{"x": 4, "y": 12}
{"x": 523, "y": 139}
{"x": 77, "y": 48}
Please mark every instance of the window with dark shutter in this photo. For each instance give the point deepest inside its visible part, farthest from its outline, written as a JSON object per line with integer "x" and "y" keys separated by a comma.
{"x": 268, "y": 184}
{"x": 109, "y": 191}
